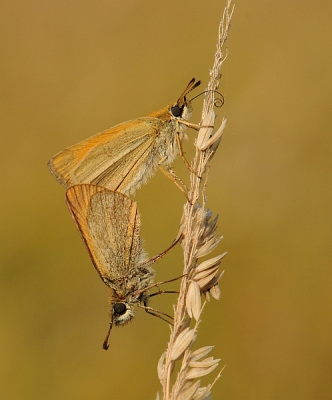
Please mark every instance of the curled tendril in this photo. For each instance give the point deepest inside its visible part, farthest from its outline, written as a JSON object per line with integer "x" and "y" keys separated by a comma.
{"x": 219, "y": 102}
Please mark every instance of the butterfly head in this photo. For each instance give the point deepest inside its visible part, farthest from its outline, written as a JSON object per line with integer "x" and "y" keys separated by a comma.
{"x": 122, "y": 313}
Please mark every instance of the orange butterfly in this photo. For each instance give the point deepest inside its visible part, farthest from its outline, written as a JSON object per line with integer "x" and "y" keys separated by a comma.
{"x": 127, "y": 155}
{"x": 109, "y": 223}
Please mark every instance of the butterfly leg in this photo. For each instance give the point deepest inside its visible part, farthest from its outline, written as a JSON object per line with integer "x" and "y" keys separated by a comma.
{"x": 181, "y": 152}
{"x": 173, "y": 177}
{"x": 136, "y": 294}
{"x": 179, "y": 143}
{"x": 160, "y": 255}
{"x": 163, "y": 291}
{"x": 190, "y": 125}
{"x": 155, "y": 313}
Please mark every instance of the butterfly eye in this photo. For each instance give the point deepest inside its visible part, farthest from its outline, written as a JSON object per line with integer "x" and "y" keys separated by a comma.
{"x": 119, "y": 308}
{"x": 176, "y": 111}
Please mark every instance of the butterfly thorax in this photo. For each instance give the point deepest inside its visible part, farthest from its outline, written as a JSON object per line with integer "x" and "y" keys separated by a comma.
{"x": 124, "y": 288}
{"x": 166, "y": 143}
{"x": 128, "y": 293}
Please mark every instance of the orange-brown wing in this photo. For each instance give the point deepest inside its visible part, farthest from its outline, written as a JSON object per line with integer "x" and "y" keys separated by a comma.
{"x": 109, "y": 158}
{"x": 109, "y": 223}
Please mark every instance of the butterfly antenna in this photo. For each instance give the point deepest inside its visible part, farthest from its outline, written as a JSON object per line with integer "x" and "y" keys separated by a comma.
{"x": 191, "y": 86}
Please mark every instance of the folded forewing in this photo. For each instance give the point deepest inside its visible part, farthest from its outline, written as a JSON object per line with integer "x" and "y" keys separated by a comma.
{"x": 109, "y": 223}
{"x": 108, "y": 157}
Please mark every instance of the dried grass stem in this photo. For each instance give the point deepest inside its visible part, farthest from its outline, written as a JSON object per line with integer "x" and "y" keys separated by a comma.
{"x": 200, "y": 238}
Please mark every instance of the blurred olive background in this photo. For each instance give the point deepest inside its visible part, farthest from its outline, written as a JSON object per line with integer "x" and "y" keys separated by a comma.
{"x": 70, "y": 69}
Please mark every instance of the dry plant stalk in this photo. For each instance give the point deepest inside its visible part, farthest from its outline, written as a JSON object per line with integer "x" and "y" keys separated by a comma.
{"x": 200, "y": 238}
